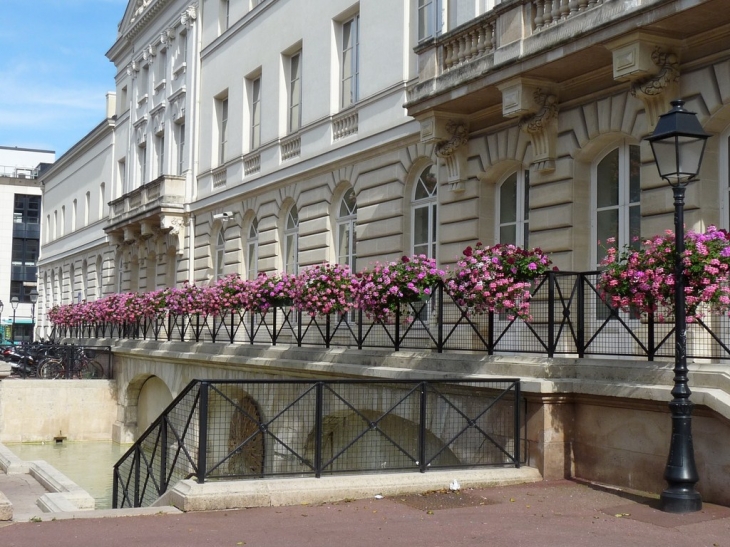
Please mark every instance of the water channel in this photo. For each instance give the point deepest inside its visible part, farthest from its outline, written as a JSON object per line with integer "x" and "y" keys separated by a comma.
{"x": 88, "y": 464}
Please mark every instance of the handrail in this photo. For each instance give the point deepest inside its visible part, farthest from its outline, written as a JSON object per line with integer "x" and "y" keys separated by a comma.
{"x": 247, "y": 429}
{"x": 568, "y": 318}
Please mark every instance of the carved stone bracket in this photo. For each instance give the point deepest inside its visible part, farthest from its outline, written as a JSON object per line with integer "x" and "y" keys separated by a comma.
{"x": 656, "y": 91}
{"x": 651, "y": 64}
{"x": 453, "y": 153}
{"x": 174, "y": 225}
{"x": 188, "y": 16}
{"x": 535, "y": 103}
{"x": 542, "y": 128}
{"x": 450, "y": 135}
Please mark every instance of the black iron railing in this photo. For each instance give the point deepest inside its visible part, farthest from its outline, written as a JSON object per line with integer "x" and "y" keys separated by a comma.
{"x": 568, "y": 318}
{"x": 246, "y": 429}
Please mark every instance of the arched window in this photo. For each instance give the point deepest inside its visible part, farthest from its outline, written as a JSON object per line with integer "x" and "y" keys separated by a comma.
{"x": 84, "y": 279}
{"x": 99, "y": 277}
{"x": 252, "y": 250}
{"x": 424, "y": 206}
{"x": 514, "y": 209}
{"x": 220, "y": 253}
{"x": 71, "y": 284}
{"x": 346, "y": 233}
{"x": 291, "y": 241}
{"x": 617, "y": 198}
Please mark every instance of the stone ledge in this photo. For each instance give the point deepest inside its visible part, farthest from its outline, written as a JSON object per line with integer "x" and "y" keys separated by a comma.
{"x": 6, "y": 508}
{"x": 56, "y": 482}
{"x": 188, "y": 495}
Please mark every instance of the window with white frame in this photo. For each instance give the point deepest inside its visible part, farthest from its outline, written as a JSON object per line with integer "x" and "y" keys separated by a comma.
{"x": 350, "y": 78}
{"x": 295, "y": 92}
{"x": 143, "y": 82}
{"x": 222, "y": 107}
{"x": 220, "y": 253}
{"x": 120, "y": 274}
{"x": 142, "y": 164}
{"x": 74, "y": 210}
{"x": 87, "y": 206}
{"x": 122, "y": 170}
{"x": 160, "y": 154}
{"x": 255, "y": 113}
{"x": 102, "y": 199}
{"x": 99, "y": 277}
{"x": 424, "y": 207}
{"x": 429, "y": 19}
{"x": 291, "y": 241}
{"x": 617, "y": 198}
{"x": 161, "y": 70}
{"x": 514, "y": 209}
{"x": 181, "y": 149}
{"x": 225, "y": 14}
{"x": 63, "y": 220}
{"x": 252, "y": 250}
{"x": 346, "y": 234}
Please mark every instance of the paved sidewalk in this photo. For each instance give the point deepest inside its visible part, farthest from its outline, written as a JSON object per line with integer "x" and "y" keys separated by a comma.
{"x": 559, "y": 513}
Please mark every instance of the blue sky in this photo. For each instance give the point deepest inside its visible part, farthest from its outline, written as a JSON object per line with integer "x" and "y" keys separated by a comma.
{"x": 53, "y": 71}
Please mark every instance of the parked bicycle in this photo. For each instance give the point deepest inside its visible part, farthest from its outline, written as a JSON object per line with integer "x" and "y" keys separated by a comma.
{"x": 73, "y": 362}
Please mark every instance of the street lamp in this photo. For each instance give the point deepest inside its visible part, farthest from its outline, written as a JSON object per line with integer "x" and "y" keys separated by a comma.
{"x": 33, "y": 299}
{"x": 678, "y": 143}
{"x": 14, "y": 303}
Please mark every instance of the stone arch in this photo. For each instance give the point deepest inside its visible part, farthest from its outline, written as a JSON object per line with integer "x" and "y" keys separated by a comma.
{"x": 245, "y": 440}
{"x": 377, "y": 452}
{"x": 147, "y": 396}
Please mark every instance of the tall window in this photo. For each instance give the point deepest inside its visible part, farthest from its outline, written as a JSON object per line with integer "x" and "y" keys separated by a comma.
{"x": 225, "y": 14}
{"x": 63, "y": 220}
{"x": 102, "y": 199}
{"x": 295, "y": 92}
{"x": 160, "y": 154}
{"x": 429, "y": 19}
{"x": 252, "y": 250}
{"x": 122, "y": 164}
{"x": 291, "y": 241}
{"x": 350, "y": 61}
{"x": 120, "y": 274}
{"x": 87, "y": 204}
{"x": 220, "y": 254}
{"x": 142, "y": 163}
{"x": 256, "y": 113}
{"x": 161, "y": 69}
{"x": 73, "y": 215}
{"x": 424, "y": 209}
{"x": 99, "y": 277}
{"x": 346, "y": 234}
{"x": 143, "y": 82}
{"x": 617, "y": 202}
{"x": 222, "y": 129}
{"x": 180, "y": 149}
{"x": 514, "y": 209}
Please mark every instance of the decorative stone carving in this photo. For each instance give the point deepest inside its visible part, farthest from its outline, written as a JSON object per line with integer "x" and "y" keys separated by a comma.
{"x": 174, "y": 225}
{"x": 148, "y": 53}
{"x": 542, "y": 128}
{"x": 535, "y": 102}
{"x": 167, "y": 36}
{"x": 453, "y": 153}
{"x": 651, "y": 64}
{"x": 133, "y": 69}
{"x": 141, "y": 5}
{"x": 656, "y": 91}
{"x": 188, "y": 16}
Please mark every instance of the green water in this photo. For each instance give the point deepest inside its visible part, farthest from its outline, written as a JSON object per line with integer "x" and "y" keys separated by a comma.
{"x": 88, "y": 464}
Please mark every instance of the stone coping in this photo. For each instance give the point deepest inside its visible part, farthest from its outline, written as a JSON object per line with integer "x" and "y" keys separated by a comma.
{"x": 188, "y": 495}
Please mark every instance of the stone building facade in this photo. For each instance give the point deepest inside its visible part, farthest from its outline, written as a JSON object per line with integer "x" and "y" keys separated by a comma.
{"x": 270, "y": 135}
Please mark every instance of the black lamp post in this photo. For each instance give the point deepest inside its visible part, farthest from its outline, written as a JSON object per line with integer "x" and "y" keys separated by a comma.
{"x": 33, "y": 299}
{"x": 678, "y": 143}
{"x": 14, "y": 303}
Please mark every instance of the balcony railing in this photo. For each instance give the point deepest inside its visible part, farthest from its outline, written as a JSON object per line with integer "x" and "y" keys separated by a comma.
{"x": 165, "y": 190}
{"x": 568, "y": 318}
{"x": 344, "y": 125}
{"x": 291, "y": 147}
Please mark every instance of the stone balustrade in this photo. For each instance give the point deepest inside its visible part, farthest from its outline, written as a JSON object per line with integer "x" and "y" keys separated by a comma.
{"x": 165, "y": 189}
{"x": 252, "y": 164}
{"x": 219, "y": 177}
{"x": 291, "y": 147}
{"x": 344, "y": 125}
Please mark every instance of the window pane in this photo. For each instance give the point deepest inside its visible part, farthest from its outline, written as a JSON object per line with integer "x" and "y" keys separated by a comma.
{"x": 635, "y": 226}
{"x": 607, "y": 222}
{"x": 343, "y": 239}
{"x": 420, "y": 228}
{"x": 426, "y": 186}
{"x": 508, "y": 234}
{"x": 508, "y": 200}
{"x": 607, "y": 180}
{"x": 634, "y": 174}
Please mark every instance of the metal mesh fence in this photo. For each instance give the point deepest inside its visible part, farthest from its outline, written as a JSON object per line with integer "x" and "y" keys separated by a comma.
{"x": 249, "y": 429}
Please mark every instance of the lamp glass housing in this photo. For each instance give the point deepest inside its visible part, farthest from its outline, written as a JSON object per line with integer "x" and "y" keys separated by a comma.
{"x": 678, "y": 144}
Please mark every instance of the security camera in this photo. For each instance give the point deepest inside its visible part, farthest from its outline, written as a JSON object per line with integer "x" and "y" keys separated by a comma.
{"x": 228, "y": 215}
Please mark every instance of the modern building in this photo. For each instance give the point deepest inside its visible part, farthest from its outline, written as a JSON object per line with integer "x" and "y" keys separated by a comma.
{"x": 20, "y": 207}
